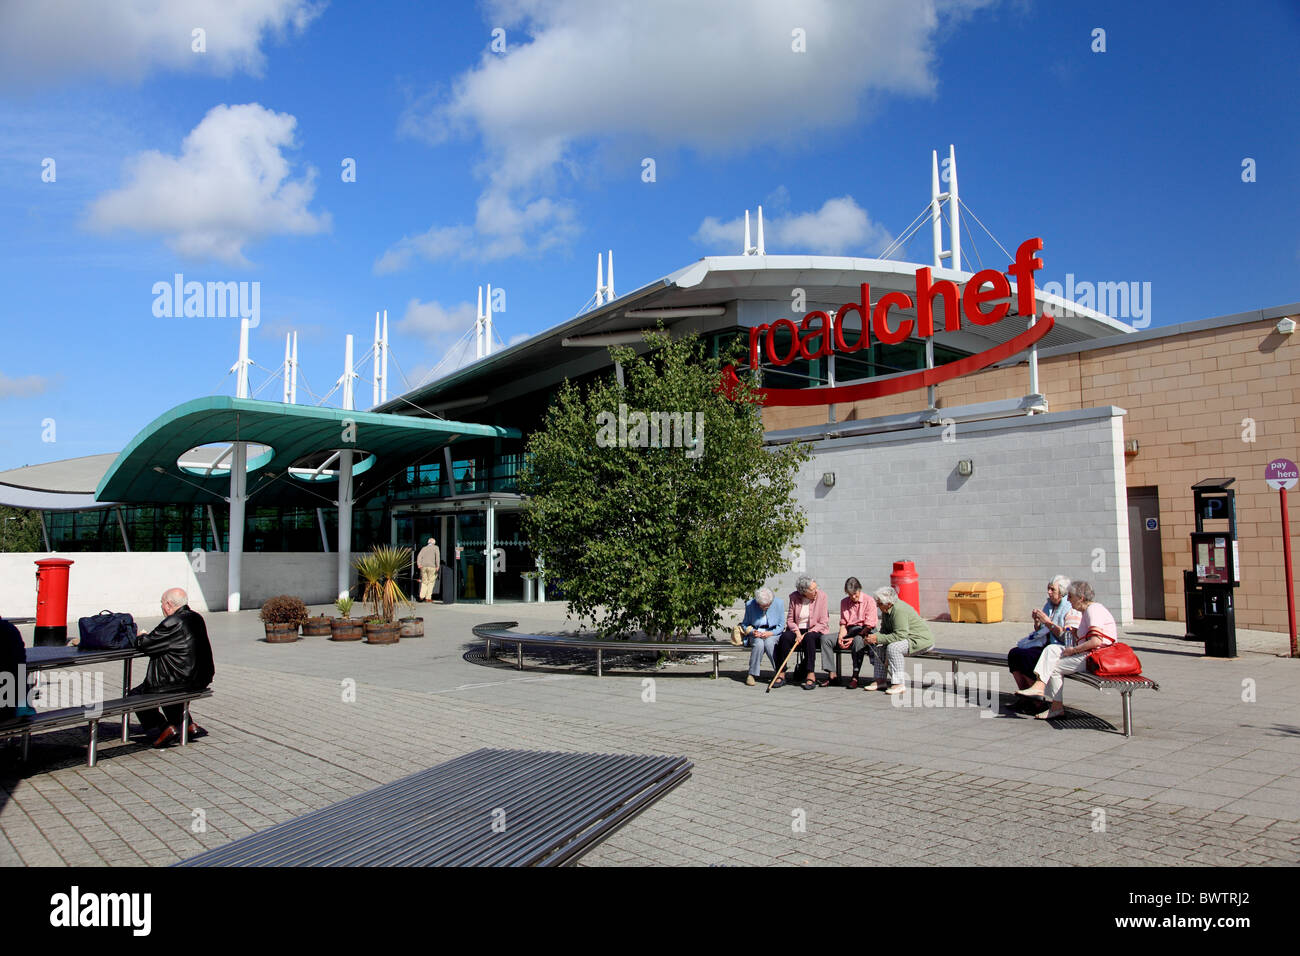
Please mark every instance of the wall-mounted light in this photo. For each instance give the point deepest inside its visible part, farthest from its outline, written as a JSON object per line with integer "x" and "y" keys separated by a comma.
{"x": 1130, "y": 446}
{"x": 1285, "y": 326}
{"x": 966, "y": 467}
{"x": 828, "y": 479}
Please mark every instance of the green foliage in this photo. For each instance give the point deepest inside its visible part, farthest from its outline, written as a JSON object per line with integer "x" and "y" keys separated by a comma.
{"x": 379, "y": 570}
{"x": 658, "y": 538}
{"x": 344, "y": 606}
{"x": 20, "y": 530}
{"x": 284, "y": 609}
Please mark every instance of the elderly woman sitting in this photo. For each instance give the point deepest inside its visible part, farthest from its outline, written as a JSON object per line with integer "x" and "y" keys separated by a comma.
{"x": 762, "y": 624}
{"x": 1050, "y": 624}
{"x": 806, "y": 621}
{"x": 858, "y": 618}
{"x": 902, "y": 631}
{"x": 1096, "y": 629}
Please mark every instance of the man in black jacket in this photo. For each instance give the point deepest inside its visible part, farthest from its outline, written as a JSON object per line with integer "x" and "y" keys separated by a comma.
{"x": 180, "y": 658}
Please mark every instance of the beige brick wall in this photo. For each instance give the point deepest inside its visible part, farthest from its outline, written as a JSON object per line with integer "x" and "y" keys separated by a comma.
{"x": 1187, "y": 397}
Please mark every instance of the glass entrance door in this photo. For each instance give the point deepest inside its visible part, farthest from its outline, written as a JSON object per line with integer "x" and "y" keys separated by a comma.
{"x": 514, "y": 557}
{"x": 471, "y": 537}
{"x": 414, "y": 529}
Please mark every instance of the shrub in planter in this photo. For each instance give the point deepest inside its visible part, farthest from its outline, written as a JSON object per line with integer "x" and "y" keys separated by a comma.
{"x": 379, "y": 631}
{"x": 283, "y": 615}
{"x": 317, "y": 626}
{"x": 379, "y": 570}
{"x": 412, "y": 624}
{"x": 343, "y": 628}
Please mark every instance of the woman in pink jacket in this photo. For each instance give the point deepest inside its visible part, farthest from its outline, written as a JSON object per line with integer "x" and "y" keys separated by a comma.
{"x": 806, "y": 622}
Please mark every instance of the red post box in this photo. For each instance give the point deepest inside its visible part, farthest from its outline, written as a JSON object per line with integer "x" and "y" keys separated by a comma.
{"x": 51, "y": 602}
{"x": 905, "y": 581}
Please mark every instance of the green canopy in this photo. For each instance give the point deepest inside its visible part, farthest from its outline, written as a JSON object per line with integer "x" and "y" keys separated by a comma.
{"x": 147, "y": 471}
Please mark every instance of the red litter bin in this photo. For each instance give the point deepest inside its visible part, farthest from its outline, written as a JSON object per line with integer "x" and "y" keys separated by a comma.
{"x": 51, "y": 602}
{"x": 904, "y": 580}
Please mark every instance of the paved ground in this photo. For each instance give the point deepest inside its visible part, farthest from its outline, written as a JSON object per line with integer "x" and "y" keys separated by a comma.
{"x": 833, "y": 776}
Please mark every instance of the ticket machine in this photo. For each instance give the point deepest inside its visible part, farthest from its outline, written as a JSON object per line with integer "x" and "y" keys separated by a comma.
{"x": 1209, "y": 585}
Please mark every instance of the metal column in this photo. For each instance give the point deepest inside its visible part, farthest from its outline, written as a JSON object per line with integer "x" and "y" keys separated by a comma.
{"x": 216, "y": 535}
{"x": 238, "y": 489}
{"x": 489, "y": 548}
{"x": 345, "y": 524}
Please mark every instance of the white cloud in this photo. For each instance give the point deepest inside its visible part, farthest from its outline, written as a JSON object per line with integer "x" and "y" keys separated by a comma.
{"x": 720, "y": 76}
{"x": 42, "y": 41}
{"x": 229, "y": 186}
{"x": 501, "y": 229}
{"x": 840, "y": 227}
{"x": 21, "y": 387}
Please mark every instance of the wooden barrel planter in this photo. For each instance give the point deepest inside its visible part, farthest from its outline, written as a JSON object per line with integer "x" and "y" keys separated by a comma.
{"x": 383, "y": 632}
{"x": 412, "y": 626}
{"x": 317, "y": 627}
{"x": 281, "y": 633}
{"x": 345, "y": 629}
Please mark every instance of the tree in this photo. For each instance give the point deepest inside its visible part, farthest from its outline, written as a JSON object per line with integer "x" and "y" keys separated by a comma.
{"x": 655, "y": 504}
{"x": 20, "y": 530}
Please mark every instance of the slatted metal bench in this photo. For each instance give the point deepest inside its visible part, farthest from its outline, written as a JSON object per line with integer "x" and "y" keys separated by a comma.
{"x": 500, "y": 632}
{"x": 65, "y": 717}
{"x": 487, "y": 808}
{"x": 1125, "y": 685}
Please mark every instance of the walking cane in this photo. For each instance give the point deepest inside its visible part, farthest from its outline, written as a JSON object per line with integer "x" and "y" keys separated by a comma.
{"x": 781, "y": 670}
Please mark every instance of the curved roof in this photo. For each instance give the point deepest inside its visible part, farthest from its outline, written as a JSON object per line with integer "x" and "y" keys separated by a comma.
{"x": 747, "y": 287}
{"x": 147, "y": 471}
{"x": 57, "y": 485}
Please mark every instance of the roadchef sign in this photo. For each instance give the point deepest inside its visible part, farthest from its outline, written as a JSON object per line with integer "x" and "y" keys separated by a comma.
{"x": 819, "y": 335}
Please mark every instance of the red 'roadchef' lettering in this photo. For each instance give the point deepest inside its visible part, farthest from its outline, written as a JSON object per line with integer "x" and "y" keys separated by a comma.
{"x": 829, "y": 334}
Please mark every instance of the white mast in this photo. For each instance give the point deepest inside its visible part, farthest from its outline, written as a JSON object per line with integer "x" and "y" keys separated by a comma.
{"x": 241, "y": 364}
{"x": 600, "y": 281}
{"x": 745, "y": 249}
{"x": 374, "y": 385}
{"x": 383, "y": 369}
{"x": 935, "y": 197}
{"x": 762, "y": 250}
{"x": 478, "y": 326}
{"x": 487, "y": 323}
{"x": 348, "y": 375}
{"x": 288, "y": 364}
{"x": 610, "y": 287}
{"x": 954, "y": 209}
{"x": 293, "y": 379}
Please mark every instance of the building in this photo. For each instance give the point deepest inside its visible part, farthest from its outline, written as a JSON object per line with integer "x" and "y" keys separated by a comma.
{"x": 982, "y": 444}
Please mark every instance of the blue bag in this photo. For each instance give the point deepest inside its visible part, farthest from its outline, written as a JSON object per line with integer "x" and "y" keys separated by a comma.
{"x": 107, "y": 631}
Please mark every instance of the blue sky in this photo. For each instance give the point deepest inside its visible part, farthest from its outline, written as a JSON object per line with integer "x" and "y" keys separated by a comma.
{"x": 475, "y": 166}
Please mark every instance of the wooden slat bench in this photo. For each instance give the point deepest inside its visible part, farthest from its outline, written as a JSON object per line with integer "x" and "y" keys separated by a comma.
{"x": 501, "y": 633}
{"x": 487, "y": 808}
{"x": 65, "y": 717}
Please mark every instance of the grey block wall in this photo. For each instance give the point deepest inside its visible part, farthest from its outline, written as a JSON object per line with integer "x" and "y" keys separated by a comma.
{"x": 1047, "y": 496}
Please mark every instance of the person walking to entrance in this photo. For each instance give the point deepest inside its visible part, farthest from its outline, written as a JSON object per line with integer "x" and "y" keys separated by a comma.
{"x": 428, "y": 561}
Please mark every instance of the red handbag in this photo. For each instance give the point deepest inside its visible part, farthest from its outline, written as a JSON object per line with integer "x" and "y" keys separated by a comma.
{"x": 1114, "y": 660}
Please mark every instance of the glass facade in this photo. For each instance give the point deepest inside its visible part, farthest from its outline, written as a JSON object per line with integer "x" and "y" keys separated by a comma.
{"x": 415, "y": 503}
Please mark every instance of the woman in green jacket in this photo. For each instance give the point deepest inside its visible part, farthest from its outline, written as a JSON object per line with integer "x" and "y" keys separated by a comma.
{"x": 902, "y": 632}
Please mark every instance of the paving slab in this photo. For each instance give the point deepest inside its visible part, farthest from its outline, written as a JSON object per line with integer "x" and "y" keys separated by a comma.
{"x": 830, "y": 777}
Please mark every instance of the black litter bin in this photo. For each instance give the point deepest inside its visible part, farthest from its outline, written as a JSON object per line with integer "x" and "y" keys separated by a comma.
{"x": 447, "y": 581}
